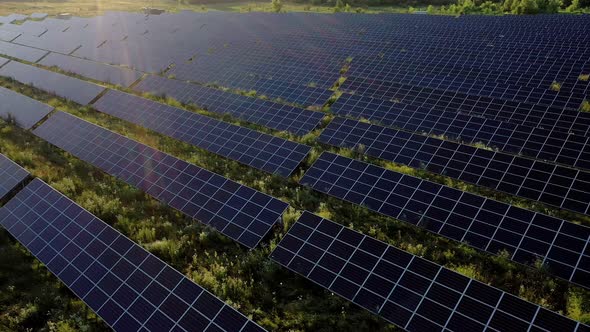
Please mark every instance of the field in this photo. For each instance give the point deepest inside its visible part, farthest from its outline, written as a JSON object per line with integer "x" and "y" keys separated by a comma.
{"x": 440, "y": 114}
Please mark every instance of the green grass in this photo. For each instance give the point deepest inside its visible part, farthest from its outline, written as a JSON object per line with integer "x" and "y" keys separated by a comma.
{"x": 97, "y": 7}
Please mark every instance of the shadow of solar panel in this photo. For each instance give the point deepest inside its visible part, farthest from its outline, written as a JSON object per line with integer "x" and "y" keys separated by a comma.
{"x": 128, "y": 287}
{"x": 25, "y": 112}
{"x": 265, "y": 113}
{"x": 21, "y": 52}
{"x": 11, "y": 175}
{"x": 482, "y": 223}
{"x": 406, "y": 290}
{"x": 268, "y": 153}
{"x": 64, "y": 86}
{"x": 97, "y": 71}
{"x": 239, "y": 212}
{"x": 533, "y": 179}
{"x": 533, "y": 142}
{"x": 3, "y": 61}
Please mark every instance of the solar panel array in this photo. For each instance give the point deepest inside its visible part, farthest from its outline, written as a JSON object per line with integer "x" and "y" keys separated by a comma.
{"x": 533, "y": 179}
{"x": 268, "y": 153}
{"x": 128, "y": 287}
{"x": 80, "y": 91}
{"x": 406, "y": 290}
{"x": 11, "y": 175}
{"x": 239, "y": 212}
{"x": 24, "y": 111}
{"x": 483, "y": 223}
{"x": 532, "y": 142}
{"x": 94, "y": 70}
{"x": 262, "y": 112}
{"x": 21, "y": 52}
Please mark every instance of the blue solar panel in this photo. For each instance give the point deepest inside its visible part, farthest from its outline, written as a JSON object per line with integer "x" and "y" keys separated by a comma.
{"x": 11, "y": 175}
{"x": 237, "y": 211}
{"x": 408, "y": 291}
{"x": 529, "y": 141}
{"x": 265, "y": 152}
{"x": 26, "y": 112}
{"x": 262, "y": 112}
{"x": 64, "y": 86}
{"x": 533, "y": 179}
{"x": 94, "y": 70}
{"x": 553, "y": 117}
{"x": 129, "y": 288}
{"x": 483, "y": 223}
{"x": 21, "y": 52}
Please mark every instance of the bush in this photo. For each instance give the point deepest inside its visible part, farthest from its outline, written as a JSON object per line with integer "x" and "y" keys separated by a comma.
{"x": 277, "y": 6}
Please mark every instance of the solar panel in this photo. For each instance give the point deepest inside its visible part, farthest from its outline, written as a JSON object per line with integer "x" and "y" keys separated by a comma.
{"x": 237, "y": 211}
{"x": 64, "y": 86}
{"x": 530, "y": 114}
{"x": 262, "y": 112}
{"x": 11, "y": 175}
{"x": 533, "y": 179}
{"x": 529, "y": 141}
{"x": 128, "y": 287}
{"x": 483, "y": 223}
{"x": 406, "y": 290}
{"x": 21, "y": 52}
{"x": 272, "y": 88}
{"x": 3, "y": 61}
{"x": 8, "y": 35}
{"x": 268, "y": 153}
{"x": 38, "y": 16}
{"x": 26, "y": 112}
{"x": 94, "y": 70}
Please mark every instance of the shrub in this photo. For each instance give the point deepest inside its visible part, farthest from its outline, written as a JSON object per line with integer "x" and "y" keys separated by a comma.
{"x": 277, "y": 6}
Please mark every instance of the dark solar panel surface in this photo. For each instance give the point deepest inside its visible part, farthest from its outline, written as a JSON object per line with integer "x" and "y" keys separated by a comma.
{"x": 532, "y": 142}
{"x": 483, "y": 223}
{"x": 11, "y": 175}
{"x": 21, "y": 52}
{"x": 268, "y": 153}
{"x": 26, "y": 112}
{"x": 128, "y": 287}
{"x": 533, "y": 179}
{"x": 82, "y": 92}
{"x": 530, "y": 114}
{"x": 94, "y": 70}
{"x": 237, "y": 211}
{"x": 262, "y": 112}
{"x": 408, "y": 291}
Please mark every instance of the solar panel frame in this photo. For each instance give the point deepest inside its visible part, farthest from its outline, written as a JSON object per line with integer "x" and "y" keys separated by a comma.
{"x": 25, "y": 111}
{"x": 406, "y": 290}
{"x": 82, "y": 92}
{"x": 11, "y": 175}
{"x": 481, "y": 222}
{"x": 265, "y": 113}
{"x": 237, "y": 211}
{"x": 128, "y": 287}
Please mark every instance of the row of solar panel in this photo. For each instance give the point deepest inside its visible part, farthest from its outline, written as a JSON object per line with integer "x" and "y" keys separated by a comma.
{"x": 537, "y": 180}
{"x": 482, "y": 223}
{"x": 128, "y": 287}
{"x": 533, "y": 142}
{"x": 131, "y": 289}
{"x": 406, "y": 290}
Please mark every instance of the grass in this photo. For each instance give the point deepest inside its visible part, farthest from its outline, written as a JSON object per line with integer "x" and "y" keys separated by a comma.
{"x": 97, "y": 7}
